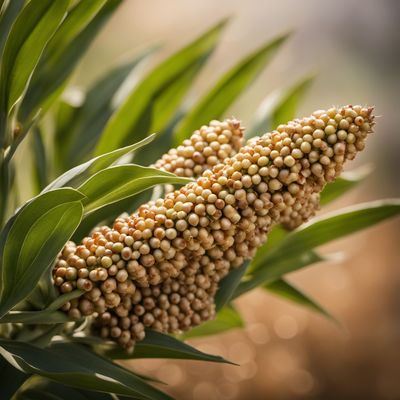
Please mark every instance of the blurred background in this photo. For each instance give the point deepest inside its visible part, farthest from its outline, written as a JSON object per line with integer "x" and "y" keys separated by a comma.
{"x": 286, "y": 352}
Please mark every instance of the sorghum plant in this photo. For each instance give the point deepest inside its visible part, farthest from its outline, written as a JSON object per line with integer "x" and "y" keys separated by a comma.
{"x": 124, "y": 247}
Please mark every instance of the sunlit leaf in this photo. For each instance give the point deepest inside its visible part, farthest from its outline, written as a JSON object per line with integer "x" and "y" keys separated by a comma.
{"x": 227, "y": 89}
{"x": 122, "y": 181}
{"x": 64, "y": 51}
{"x": 78, "y": 174}
{"x": 138, "y": 114}
{"x": 32, "y": 239}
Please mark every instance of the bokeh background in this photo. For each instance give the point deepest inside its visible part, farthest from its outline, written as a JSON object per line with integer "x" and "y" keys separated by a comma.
{"x": 286, "y": 352}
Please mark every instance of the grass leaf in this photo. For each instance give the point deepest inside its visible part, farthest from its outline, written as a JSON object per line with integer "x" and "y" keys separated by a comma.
{"x": 138, "y": 114}
{"x": 32, "y": 239}
{"x": 226, "y": 90}
{"x": 160, "y": 345}
{"x": 283, "y": 288}
{"x": 123, "y": 181}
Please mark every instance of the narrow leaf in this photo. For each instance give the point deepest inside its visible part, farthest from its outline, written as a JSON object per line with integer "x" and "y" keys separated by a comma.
{"x": 279, "y": 107}
{"x": 99, "y": 104}
{"x": 35, "y": 317}
{"x": 228, "y": 285}
{"x": 40, "y": 167}
{"x": 8, "y": 14}
{"x": 122, "y": 181}
{"x": 160, "y": 345}
{"x": 136, "y": 117}
{"x": 78, "y": 174}
{"x": 283, "y": 288}
{"x": 224, "y": 93}
{"x": 32, "y": 239}
{"x": 64, "y": 52}
{"x": 29, "y": 35}
{"x": 227, "y": 319}
{"x": 79, "y": 368}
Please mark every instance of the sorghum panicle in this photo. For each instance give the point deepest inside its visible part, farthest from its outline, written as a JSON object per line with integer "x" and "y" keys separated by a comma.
{"x": 160, "y": 267}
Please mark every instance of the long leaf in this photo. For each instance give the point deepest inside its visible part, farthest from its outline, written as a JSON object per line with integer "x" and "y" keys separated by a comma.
{"x": 284, "y": 289}
{"x": 65, "y": 50}
{"x": 279, "y": 107}
{"x": 333, "y": 226}
{"x": 226, "y": 319}
{"x": 8, "y": 14}
{"x": 35, "y": 317}
{"x": 160, "y": 345}
{"x": 32, "y": 239}
{"x": 224, "y": 93}
{"x": 79, "y": 367}
{"x": 228, "y": 285}
{"x": 122, "y": 181}
{"x": 40, "y": 167}
{"x": 271, "y": 270}
{"x": 26, "y": 42}
{"x": 76, "y": 175}
{"x": 99, "y": 104}
{"x": 136, "y": 117}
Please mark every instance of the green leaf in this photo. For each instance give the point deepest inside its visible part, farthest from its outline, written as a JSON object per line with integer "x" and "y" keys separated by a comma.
{"x": 32, "y": 239}
{"x": 108, "y": 214}
{"x": 78, "y": 174}
{"x": 279, "y": 108}
{"x": 79, "y": 367}
{"x": 333, "y": 226}
{"x": 39, "y": 388}
{"x": 40, "y": 166}
{"x": 29, "y": 35}
{"x": 8, "y": 13}
{"x": 228, "y": 285}
{"x": 224, "y": 93}
{"x": 99, "y": 104}
{"x": 295, "y": 251}
{"x": 138, "y": 114}
{"x": 122, "y": 181}
{"x": 270, "y": 270}
{"x": 65, "y": 50}
{"x": 227, "y": 319}
{"x": 160, "y": 345}
{"x": 35, "y": 317}
{"x": 284, "y": 289}
{"x": 343, "y": 184}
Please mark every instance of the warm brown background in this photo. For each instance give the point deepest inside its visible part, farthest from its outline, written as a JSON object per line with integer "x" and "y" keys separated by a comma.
{"x": 286, "y": 352}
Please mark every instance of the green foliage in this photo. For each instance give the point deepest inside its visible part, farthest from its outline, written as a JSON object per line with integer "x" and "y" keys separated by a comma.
{"x": 41, "y": 42}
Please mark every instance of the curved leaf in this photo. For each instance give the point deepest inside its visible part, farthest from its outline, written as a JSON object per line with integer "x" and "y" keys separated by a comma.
{"x": 35, "y": 317}
{"x": 79, "y": 367}
{"x": 284, "y": 289}
{"x": 29, "y": 35}
{"x": 279, "y": 107}
{"x": 224, "y": 93}
{"x": 160, "y": 345}
{"x": 141, "y": 111}
{"x": 9, "y": 11}
{"x": 32, "y": 239}
{"x": 64, "y": 51}
{"x": 122, "y": 181}
{"x": 76, "y": 175}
